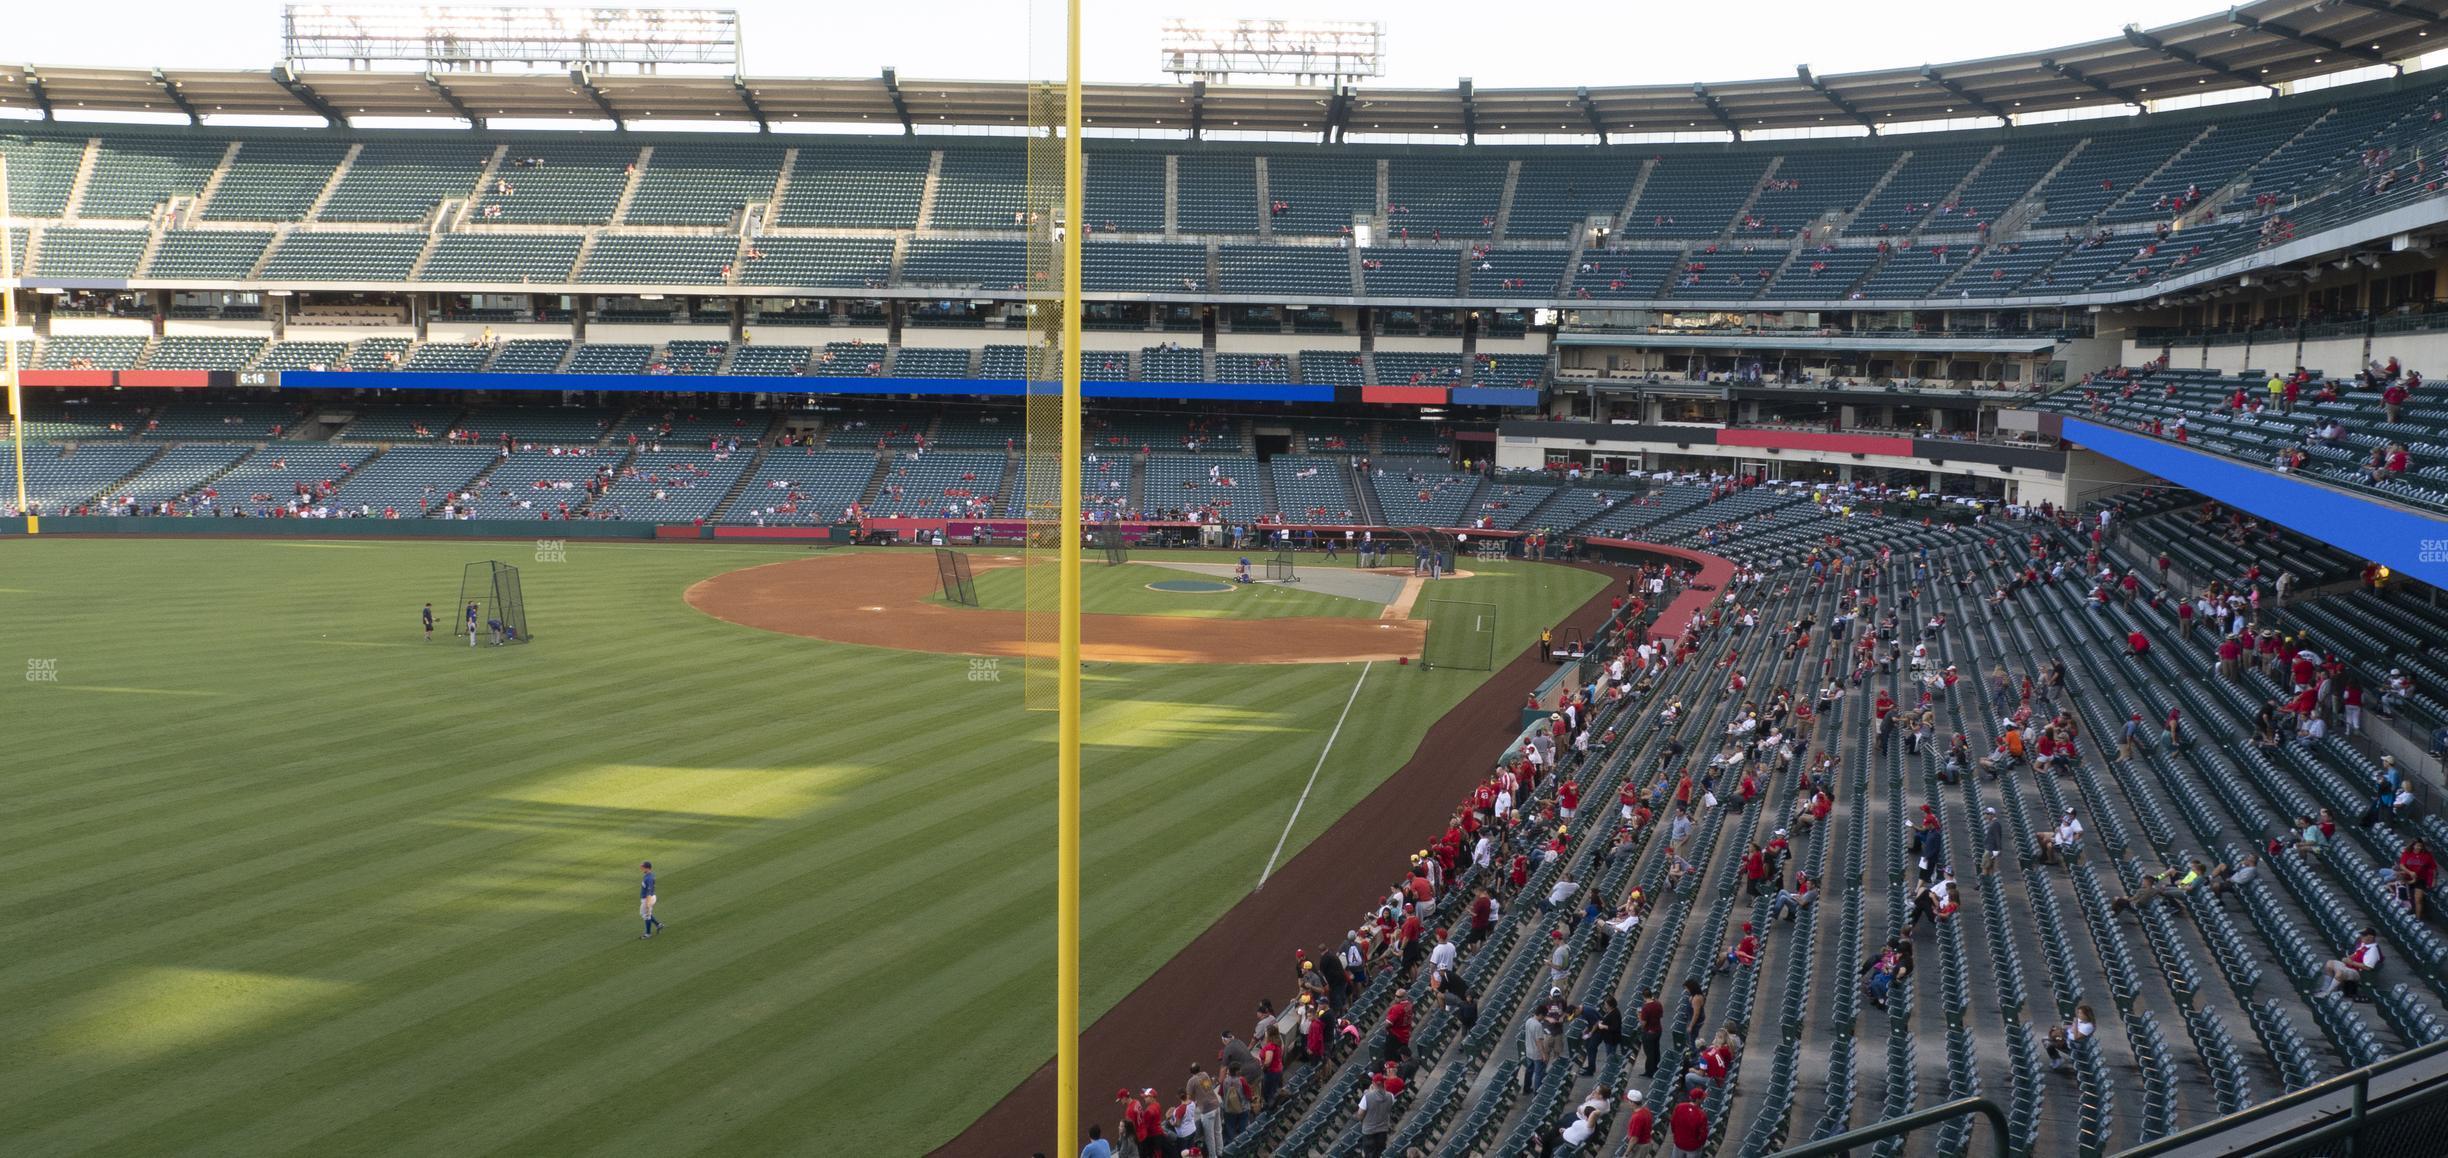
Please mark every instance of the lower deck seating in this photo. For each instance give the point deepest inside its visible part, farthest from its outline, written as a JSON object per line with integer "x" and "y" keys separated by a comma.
{"x": 672, "y": 485}
{"x": 800, "y": 486}
{"x": 411, "y": 480}
{"x": 1219, "y": 487}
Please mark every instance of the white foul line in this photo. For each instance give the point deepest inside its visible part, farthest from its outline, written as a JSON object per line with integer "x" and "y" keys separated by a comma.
{"x": 1313, "y": 775}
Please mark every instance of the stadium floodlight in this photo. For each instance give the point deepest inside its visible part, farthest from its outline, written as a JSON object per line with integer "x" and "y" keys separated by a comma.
{"x": 447, "y": 37}
{"x": 1309, "y": 51}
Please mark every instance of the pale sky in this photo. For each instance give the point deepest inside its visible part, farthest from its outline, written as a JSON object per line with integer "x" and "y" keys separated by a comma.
{"x": 1427, "y": 44}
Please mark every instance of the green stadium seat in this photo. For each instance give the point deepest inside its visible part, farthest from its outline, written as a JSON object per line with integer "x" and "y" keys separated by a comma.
{"x": 703, "y": 184}
{"x": 402, "y": 181}
{"x": 544, "y": 259}
{"x": 274, "y": 180}
{"x": 135, "y": 175}
{"x": 349, "y": 256}
{"x": 103, "y": 254}
{"x": 207, "y": 255}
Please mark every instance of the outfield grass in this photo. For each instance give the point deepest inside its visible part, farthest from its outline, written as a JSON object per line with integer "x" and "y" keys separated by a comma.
{"x": 287, "y": 880}
{"x": 1123, "y": 590}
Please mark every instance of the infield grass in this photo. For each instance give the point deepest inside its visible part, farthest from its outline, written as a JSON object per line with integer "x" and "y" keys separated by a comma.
{"x": 288, "y": 880}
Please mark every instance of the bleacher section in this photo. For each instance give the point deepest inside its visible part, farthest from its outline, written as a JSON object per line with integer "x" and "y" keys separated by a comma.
{"x": 269, "y": 478}
{"x": 1447, "y": 197}
{"x": 940, "y": 484}
{"x": 1311, "y": 490}
{"x": 1914, "y": 192}
{"x": 1219, "y": 193}
{"x": 62, "y": 480}
{"x": 1694, "y": 195}
{"x": 1259, "y": 369}
{"x": 1517, "y": 273}
{"x": 413, "y": 481}
{"x": 931, "y": 362}
{"x": 1333, "y": 367}
{"x": 41, "y": 169}
{"x": 1159, "y": 364}
{"x": 1307, "y": 270}
{"x": 1224, "y": 486}
{"x": 500, "y": 257}
{"x": 95, "y": 253}
{"x": 1319, "y": 193}
{"x": 859, "y": 184}
{"x": 275, "y": 180}
{"x": 207, "y": 255}
{"x": 795, "y": 486}
{"x": 1117, "y": 191}
{"x": 2201, "y": 398}
{"x": 557, "y": 183}
{"x": 379, "y": 257}
{"x": 817, "y": 261}
{"x": 179, "y": 470}
{"x": 1143, "y": 268}
{"x": 770, "y": 360}
{"x": 980, "y": 186}
{"x": 659, "y": 260}
{"x": 986, "y": 265}
{"x": 1556, "y": 194}
{"x": 302, "y": 356}
{"x": 703, "y": 184}
{"x": 1412, "y": 273}
{"x": 402, "y": 181}
{"x": 199, "y": 353}
{"x": 78, "y": 351}
{"x": 1421, "y": 492}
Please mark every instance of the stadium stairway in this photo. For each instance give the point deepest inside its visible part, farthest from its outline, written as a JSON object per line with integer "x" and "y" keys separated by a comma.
{"x": 756, "y": 461}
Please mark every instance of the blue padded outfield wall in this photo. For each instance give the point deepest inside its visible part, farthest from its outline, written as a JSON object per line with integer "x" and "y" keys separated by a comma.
{"x": 763, "y": 384}
{"x": 2407, "y": 542}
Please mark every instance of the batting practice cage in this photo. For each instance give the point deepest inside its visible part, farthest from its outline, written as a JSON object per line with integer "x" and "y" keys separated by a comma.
{"x": 1460, "y": 635}
{"x": 1109, "y": 538}
{"x": 952, "y": 567}
{"x": 1280, "y": 569}
{"x": 493, "y": 588}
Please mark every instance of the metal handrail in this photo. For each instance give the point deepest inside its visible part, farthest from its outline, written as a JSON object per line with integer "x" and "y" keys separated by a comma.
{"x": 1877, "y": 1131}
{"x": 2357, "y": 1082}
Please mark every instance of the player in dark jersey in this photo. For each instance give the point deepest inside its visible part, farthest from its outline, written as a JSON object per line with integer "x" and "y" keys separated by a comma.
{"x": 429, "y": 623}
{"x": 646, "y": 901}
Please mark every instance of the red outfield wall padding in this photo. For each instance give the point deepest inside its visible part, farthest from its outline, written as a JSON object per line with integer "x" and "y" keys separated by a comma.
{"x": 1409, "y": 395}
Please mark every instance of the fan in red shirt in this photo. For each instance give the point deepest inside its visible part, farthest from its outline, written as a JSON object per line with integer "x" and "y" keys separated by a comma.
{"x": 1691, "y": 1124}
{"x": 1641, "y": 1127}
{"x": 1398, "y": 1027}
{"x": 2139, "y": 644}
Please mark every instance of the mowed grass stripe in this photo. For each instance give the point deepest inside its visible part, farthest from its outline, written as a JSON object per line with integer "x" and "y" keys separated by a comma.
{"x": 337, "y": 875}
{"x": 472, "y": 981}
{"x": 445, "y": 916}
{"x": 853, "y": 1037}
{"x": 951, "y": 743}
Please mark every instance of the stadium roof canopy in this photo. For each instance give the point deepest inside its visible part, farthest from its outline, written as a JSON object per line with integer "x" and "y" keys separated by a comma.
{"x": 2261, "y": 44}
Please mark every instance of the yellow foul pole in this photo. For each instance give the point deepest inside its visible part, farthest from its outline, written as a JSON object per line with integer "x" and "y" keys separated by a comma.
{"x": 8, "y": 360}
{"x": 1067, "y": 670}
